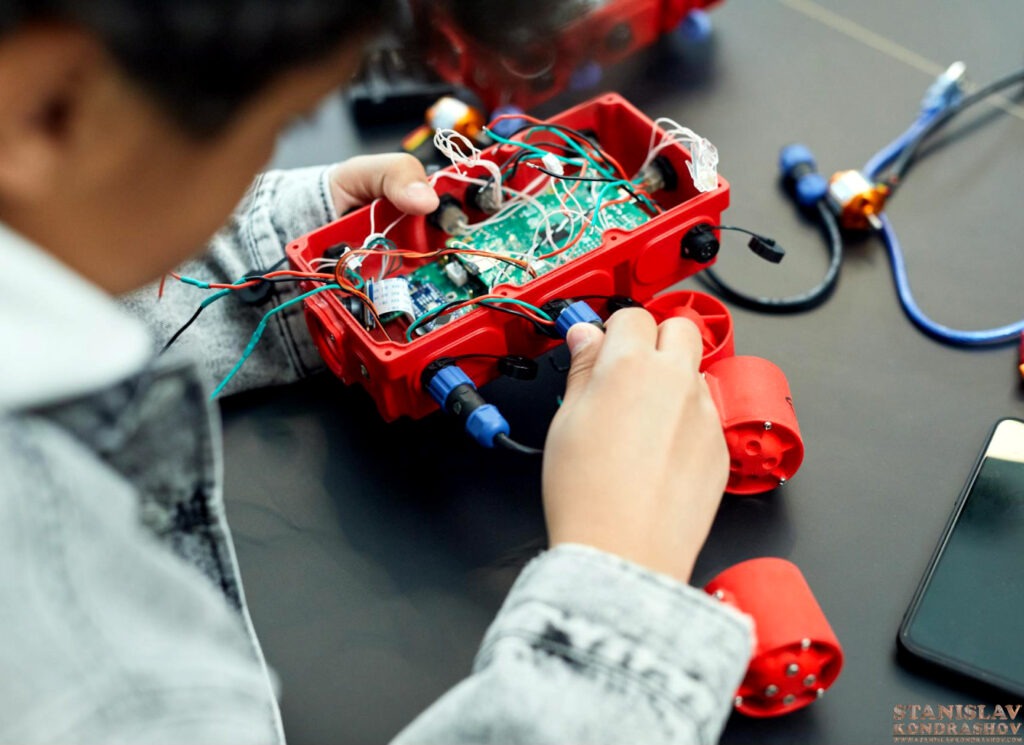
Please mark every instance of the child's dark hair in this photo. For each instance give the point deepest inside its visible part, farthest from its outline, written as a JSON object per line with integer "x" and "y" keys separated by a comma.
{"x": 203, "y": 59}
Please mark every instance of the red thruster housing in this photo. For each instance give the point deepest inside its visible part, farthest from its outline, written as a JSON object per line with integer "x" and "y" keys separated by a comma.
{"x": 599, "y": 32}
{"x": 637, "y": 263}
{"x": 797, "y": 656}
{"x": 752, "y": 396}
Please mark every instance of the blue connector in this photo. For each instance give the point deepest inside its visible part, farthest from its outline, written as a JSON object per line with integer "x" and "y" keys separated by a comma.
{"x": 456, "y": 393}
{"x": 578, "y": 312}
{"x": 796, "y": 162}
{"x": 946, "y": 91}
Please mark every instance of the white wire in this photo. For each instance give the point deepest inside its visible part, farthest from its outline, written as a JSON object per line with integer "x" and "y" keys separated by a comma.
{"x": 461, "y": 151}
{"x": 703, "y": 163}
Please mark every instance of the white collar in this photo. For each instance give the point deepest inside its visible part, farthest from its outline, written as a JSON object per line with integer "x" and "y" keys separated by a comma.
{"x": 60, "y": 335}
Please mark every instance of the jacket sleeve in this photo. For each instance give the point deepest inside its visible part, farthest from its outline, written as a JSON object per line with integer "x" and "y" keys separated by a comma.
{"x": 279, "y": 207}
{"x": 589, "y": 648}
{"x": 105, "y": 634}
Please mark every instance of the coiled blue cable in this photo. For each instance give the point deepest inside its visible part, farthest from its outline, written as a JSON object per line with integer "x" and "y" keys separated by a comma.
{"x": 943, "y": 95}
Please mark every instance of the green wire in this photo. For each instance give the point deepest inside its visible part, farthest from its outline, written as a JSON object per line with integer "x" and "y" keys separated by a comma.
{"x": 538, "y": 151}
{"x": 258, "y": 333}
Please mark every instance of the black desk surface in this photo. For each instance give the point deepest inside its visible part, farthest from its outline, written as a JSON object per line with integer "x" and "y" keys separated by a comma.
{"x": 375, "y": 555}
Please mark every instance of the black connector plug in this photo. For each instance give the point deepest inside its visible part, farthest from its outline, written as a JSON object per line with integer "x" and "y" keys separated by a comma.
{"x": 700, "y": 244}
{"x": 766, "y": 248}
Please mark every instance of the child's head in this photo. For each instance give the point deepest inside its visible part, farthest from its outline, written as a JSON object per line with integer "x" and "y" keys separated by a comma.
{"x": 129, "y": 129}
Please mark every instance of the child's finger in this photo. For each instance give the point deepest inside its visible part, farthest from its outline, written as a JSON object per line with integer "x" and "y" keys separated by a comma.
{"x": 584, "y": 341}
{"x": 398, "y": 177}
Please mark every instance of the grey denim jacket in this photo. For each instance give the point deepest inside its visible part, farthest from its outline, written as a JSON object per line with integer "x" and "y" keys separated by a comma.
{"x": 122, "y": 615}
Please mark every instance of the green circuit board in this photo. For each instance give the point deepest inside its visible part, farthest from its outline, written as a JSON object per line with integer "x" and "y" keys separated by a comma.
{"x": 522, "y": 235}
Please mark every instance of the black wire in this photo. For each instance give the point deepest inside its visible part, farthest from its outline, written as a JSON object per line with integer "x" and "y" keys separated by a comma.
{"x": 791, "y": 303}
{"x": 182, "y": 330}
{"x": 738, "y": 230}
{"x": 518, "y": 158}
{"x": 509, "y": 444}
{"x": 899, "y": 167}
{"x": 177, "y": 334}
{"x": 566, "y": 177}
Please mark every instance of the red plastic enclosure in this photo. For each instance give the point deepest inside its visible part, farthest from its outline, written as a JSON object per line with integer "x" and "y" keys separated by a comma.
{"x": 761, "y": 431}
{"x": 635, "y": 264}
{"x": 751, "y": 394}
{"x": 604, "y": 32}
{"x": 708, "y": 313}
{"x": 797, "y": 656}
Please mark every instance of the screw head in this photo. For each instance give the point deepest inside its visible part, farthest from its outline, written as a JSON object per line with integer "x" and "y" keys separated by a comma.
{"x": 771, "y": 690}
{"x": 810, "y": 680}
{"x": 719, "y": 595}
{"x": 792, "y": 669}
{"x": 767, "y": 425}
{"x": 805, "y": 644}
{"x": 789, "y": 700}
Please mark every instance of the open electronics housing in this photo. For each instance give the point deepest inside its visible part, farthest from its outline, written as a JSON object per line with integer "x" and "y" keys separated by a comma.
{"x": 637, "y": 263}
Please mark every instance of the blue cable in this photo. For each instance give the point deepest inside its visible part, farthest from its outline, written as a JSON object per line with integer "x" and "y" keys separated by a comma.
{"x": 890, "y": 152}
{"x": 258, "y": 333}
{"x": 1000, "y": 335}
{"x": 943, "y": 94}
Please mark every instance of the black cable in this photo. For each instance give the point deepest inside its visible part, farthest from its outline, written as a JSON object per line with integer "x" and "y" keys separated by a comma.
{"x": 791, "y": 303}
{"x": 899, "y": 167}
{"x": 509, "y": 444}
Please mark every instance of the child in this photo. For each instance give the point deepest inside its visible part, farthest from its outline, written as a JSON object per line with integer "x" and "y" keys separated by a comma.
{"x": 127, "y": 132}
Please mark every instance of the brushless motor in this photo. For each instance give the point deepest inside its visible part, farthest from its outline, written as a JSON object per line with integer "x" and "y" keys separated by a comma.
{"x": 797, "y": 656}
{"x": 856, "y": 201}
{"x": 761, "y": 431}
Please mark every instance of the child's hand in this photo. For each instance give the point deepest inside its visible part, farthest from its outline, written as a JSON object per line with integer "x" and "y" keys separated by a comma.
{"x": 635, "y": 461}
{"x": 397, "y": 177}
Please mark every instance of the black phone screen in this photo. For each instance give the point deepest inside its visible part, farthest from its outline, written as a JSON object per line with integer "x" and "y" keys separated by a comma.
{"x": 969, "y": 611}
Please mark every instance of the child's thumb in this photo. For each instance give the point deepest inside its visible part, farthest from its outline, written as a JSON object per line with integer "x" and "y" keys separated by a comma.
{"x": 584, "y": 341}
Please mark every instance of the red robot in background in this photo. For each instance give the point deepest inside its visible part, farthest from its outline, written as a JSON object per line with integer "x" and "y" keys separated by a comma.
{"x": 535, "y": 65}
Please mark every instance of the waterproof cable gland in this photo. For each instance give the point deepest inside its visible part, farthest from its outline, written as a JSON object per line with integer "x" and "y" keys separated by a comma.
{"x": 578, "y": 312}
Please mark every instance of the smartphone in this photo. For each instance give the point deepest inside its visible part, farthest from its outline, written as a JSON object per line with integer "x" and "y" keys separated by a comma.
{"x": 967, "y": 616}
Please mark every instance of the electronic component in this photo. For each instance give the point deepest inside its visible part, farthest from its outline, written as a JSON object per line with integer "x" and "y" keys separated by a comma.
{"x": 800, "y": 175}
{"x": 456, "y": 393}
{"x": 578, "y": 312}
{"x": 699, "y": 244}
{"x": 657, "y": 175}
{"x": 425, "y": 297}
{"x": 392, "y": 298}
{"x": 449, "y": 217}
{"x": 485, "y": 197}
{"x": 857, "y": 201}
{"x": 457, "y": 273}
